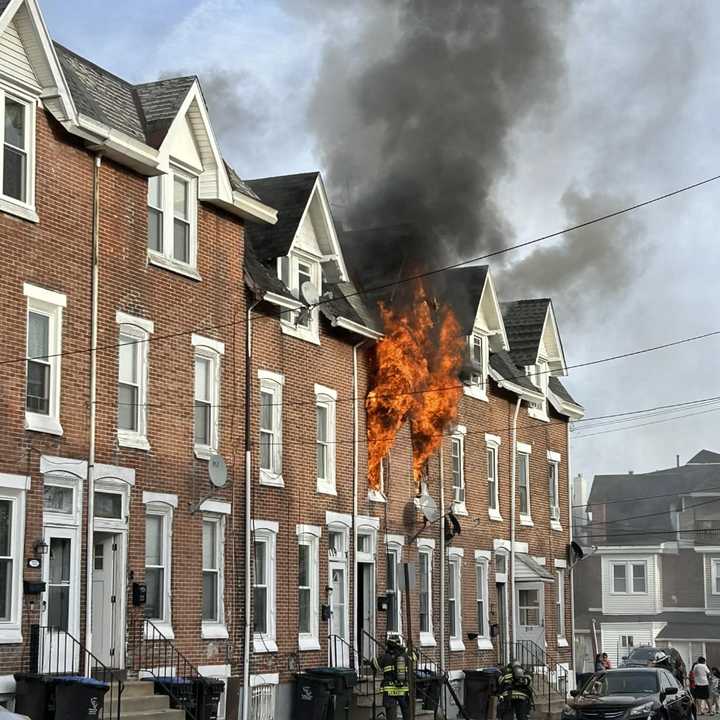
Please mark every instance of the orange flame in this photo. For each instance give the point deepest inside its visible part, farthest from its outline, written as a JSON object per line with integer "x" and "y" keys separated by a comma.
{"x": 421, "y": 350}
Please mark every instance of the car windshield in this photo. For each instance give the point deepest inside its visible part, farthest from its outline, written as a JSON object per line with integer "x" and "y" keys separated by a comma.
{"x": 642, "y": 654}
{"x": 622, "y": 683}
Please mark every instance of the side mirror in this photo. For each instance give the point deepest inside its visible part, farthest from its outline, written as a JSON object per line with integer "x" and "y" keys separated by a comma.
{"x": 670, "y": 691}
{"x": 573, "y": 693}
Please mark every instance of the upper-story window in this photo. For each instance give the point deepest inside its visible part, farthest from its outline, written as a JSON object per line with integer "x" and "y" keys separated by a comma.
{"x": 457, "y": 470}
{"x": 325, "y": 403}
{"x": 271, "y": 385}
{"x": 299, "y": 271}
{"x": 554, "y": 488}
{"x": 715, "y": 567}
{"x": 540, "y": 377}
{"x": 523, "y": 481}
{"x": 172, "y": 220}
{"x": 493, "y": 450}
{"x": 207, "y": 395}
{"x": 18, "y": 155}
{"x": 479, "y": 354}
{"x": 629, "y": 577}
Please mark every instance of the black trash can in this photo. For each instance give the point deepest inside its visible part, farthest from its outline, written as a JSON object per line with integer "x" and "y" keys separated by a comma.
{"x": 343, "y": 681}
{"x": 33, "y": 695}
{"x": 427, "y": 688}
{"x": 480, "y": 685}
{"x": 180, "y": 690}
{"x": 208, "y": 692}
{"x": 312, "y": 696}
{"x": 77, "y": 697}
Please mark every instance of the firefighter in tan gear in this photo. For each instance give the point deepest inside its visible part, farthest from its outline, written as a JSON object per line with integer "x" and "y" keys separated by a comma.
{"x": 395, "y": 667}
{"x": 515, "y": 693}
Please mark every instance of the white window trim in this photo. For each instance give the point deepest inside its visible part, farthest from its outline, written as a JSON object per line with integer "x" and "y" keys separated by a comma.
{"x": 139, "y": 329}
{"x": 394, "y": 546}
{"x": 455, "y": 556}
{"x": 327, "y": 397}
{"x": 554, "y": 458}
{"x": 494, "y": 442}
{"x": 217, "y": 629}
{"x": 211, "y": 350}
{"x": 715, "y": 573}
{"x": 478, "y": 390}
{"x": 57, "y": 478}
{"x": 482, "y": 560}
{"x": 525, "y": 518}
{"x": 427, "y": 546}
{"x": 163, "y": 505}
{"x": 50, "y": 304}
{"x": 310, "y": 535}
{"x": 14, "y": 488}
{"x": 459, "y": 508}
{"x": 165, "y": 258}
{"x": 272, "y": 382}
{"x": 288, "y": 320}
{"x": 560, "y": 600}
{"x": 629, "y": 580}
{"x": 267, "y": 531}
{"x": 12, "y": 206}
{"x": 539, "y": 376}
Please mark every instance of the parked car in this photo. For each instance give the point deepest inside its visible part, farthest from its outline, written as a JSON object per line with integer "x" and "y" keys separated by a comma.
{"x": 649, "y": 656}
{"x": 631, "y": 694}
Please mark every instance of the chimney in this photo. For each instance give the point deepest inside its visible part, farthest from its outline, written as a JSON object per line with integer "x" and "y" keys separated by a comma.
{"x": 677, "y": 461}
{"x": 631, "y": 472}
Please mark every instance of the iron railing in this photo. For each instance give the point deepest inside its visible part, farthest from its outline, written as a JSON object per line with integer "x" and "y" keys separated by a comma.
{"x": 154, "y": 656}
{"x": 55, "y": 652}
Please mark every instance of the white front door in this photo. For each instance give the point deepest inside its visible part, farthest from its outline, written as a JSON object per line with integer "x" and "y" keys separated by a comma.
{"x": 108, "y": 590}
{"x": 366, "y": 575}
{"x": 530, "y": 610}
{"x": 339, "y": 626}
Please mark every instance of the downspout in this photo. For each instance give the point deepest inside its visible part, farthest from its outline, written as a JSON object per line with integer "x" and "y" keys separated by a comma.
{"x": 248, "y": 512}
{"x": 95, "y": 278}
{"x": 442, "y": 560}
{"x": 513, "y": 471}
{"x": 572, "y": 580}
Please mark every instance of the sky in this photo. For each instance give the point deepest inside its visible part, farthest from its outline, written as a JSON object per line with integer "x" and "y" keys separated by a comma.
{"x": 628, "y": 113}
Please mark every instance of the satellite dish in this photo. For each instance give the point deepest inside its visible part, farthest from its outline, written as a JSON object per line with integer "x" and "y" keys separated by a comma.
{"x": 576, "y": 551}
{"x": 309, "y": 293}
{"x": 428, "y": 507}
{"x": 217, "y": 471}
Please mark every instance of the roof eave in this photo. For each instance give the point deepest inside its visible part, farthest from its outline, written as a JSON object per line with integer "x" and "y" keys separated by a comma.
{"x": 512, "y": 387}
{"x": 246, "y": 207}
{"x": 357, "y": 328}
{"x": 572, "y": 410}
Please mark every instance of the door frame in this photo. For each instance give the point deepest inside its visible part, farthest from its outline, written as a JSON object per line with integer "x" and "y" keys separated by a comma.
{"x": 540, "y": 587}
{"x": 345, "y": 635}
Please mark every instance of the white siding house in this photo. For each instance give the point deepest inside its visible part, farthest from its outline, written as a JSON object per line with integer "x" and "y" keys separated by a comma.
{"x": 631, "y": 583}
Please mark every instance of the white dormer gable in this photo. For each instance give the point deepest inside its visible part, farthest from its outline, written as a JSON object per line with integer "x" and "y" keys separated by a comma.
{"x": 488, "y": 318}
{"x": 306, "y": 237}
{"x": 183, "y": 149}
{"x": 550, "y": 348}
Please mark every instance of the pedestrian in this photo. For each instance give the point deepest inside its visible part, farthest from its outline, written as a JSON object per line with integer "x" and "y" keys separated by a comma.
{"x": 701, "y": 692}
{"x": 515, "y": 691}
{"x": 393, "y": 665}
{"x": 714, "y": 691}
{"x": 606, "y": 661}
{"x": 599, "y": 664}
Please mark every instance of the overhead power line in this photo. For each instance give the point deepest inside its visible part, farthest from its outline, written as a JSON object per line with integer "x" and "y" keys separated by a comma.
{"x": 654, "y": 514}
{"x": 674, "y": 493}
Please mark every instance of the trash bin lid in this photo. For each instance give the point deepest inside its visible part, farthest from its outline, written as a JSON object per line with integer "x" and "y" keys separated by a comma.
{"x": 170, "y": 680}
{"x": 80, "y": 680}
{"x": 342, "y": 677}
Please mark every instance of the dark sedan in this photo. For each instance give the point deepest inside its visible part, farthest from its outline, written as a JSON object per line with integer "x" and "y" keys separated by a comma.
{"x": 631, "y": 694}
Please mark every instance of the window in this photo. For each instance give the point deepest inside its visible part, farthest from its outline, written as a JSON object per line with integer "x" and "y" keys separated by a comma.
{"x": 172, "y": 221}
{"x": 481, "y": 592}
{"x": 529, "y": 607}
{"x": 638, "y": 578}
{"x": 308, "y": 587}
{"x": 455, "y": 599}
{"x": 523, "y": 479}
{"x": 157, "y": 555}
{"x": 457, "y": 454}
{"x": 12, "y": 519}
{"x": 478, "y": 351}
{"x": 58, "y": 586}
{"x": 18, "y": 161}
{"x": 393, "y": 595}
{"x": 627, "y": 641}
{"x": 492, "y": 443}
{"x": 57, "y": 499}
{"x": 207, "y": 395}
{"x": 133, "y": 371}
{"x": 295, "y": 270}
{"x": 716, "y": 576}
{"x": 553, "y": 492}
{"x": 271, "y": 428}
{"x": 211, "y": 571}
{"x": 500, "y": 563}
{"x": 108, "y": 505}
{"x": 44, "y": 346}
{"x": 265, "y": 533}
{"x": 325, "y": 404}
{"x": 619, "y": 578}
{"x": 263, "y": 696}
{"x": 424, "y": 584}
{"x": 629, "y": 577}
{"x": 539, "y": 376}
{"x": 560, "y": 604}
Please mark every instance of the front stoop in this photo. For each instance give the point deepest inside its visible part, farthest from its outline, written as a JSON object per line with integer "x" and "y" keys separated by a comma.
{"x": 139, "y": 702}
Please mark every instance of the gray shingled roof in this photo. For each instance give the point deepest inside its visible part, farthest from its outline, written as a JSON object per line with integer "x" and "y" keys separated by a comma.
{"x": 705, "y": 457}
{"x": 259, "y": 278}
{"x": 559, "y": 389}
{"x": 697, "y": 625}
{"x": 289, "y": 195}
{"x": 159, "y": 103}
{"x": 524, "y": 321}
{"x": 502, "y": 363}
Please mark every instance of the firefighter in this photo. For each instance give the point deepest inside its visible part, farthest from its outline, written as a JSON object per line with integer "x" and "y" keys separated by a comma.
{"x": 515, "y": 693}
{"x": 394, "y": 666}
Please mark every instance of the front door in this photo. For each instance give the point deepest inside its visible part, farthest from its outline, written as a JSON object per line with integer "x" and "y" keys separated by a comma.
{"x": 366, "y": 609}
{"x": 530, "y": 609}
{"x": 106, "y": 596}
{"x": 338, "y": 626}
{"x": 502, "y": 621}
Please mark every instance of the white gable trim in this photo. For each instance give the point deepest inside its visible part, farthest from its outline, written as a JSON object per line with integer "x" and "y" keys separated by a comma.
{"x": 498, "y": 328}
{"x": 551, "y": 343}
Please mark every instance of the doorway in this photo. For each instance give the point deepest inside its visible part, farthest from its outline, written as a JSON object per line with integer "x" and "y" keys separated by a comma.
{"x": 338, "y": 625}
{"x": 365, "y": 620}
{"x": 530, "y": 604}
{"x": 502, "y": 621}
{"x": 108, "y": 591}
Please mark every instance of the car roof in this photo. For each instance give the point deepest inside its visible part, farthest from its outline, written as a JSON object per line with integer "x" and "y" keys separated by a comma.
{"x": 634, "y": 670}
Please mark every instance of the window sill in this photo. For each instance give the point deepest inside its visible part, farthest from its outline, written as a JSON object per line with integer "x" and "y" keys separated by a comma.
{"x": 10, "y": 635}
{"x": 562, "y": 642}
{"x": 24, "y": 212}
{"x": 526, "y": 520}
{"x": 310, "y": 336}
{"x": 326, "y": 488}
{"x": 555, "y": 525}
{"x": 163, "y": 627}
{"x": 376, "y": 496}
{"x": 427, "y": 640}
{"x": 204, "y": 452}
{"x": 307, "y": 644}
{"x": 271, "y": 479}
{"x": 214, "y": 631}
{"x": 173, "y": 265}
{"x": 460, "y": 508}
{"x": 132, "y": 440}
{"x": 264, "y": 644}
{"x": 475, "y": 391}
{"x": 457, "y": 645}
{"x": 494, "y": 515}
{"x": 484, "y": 644}
{"x": 43, "y": 423}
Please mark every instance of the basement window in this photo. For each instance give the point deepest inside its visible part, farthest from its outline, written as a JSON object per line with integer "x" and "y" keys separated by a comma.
{"x": 18, "y": 156}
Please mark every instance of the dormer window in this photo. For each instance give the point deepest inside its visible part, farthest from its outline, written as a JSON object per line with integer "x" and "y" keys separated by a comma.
{"x": 477, "y": 365}
{"x": 295, "y": 271}
{"x": 540, "y": 377}
{"x": 172, "y": 221}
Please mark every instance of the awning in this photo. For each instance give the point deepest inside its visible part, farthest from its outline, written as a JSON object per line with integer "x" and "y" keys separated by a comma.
{"x": 708, "y": 631}
{"x": 529, "y": 570}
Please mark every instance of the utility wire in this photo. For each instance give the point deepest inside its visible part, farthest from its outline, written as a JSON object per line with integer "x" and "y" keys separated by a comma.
{"x": 655, "y": 514}
{"x": 649, "y": 497}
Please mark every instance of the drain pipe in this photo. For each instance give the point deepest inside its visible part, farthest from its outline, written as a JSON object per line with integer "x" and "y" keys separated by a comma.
{"x": 513, "y": 471}
{"x": 571, "y": 576}
{"x": 442, "y": 559}
{"x": 95, "y": 277}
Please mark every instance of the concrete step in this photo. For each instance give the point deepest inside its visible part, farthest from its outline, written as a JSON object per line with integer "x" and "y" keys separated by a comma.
{"x": 166, "y": 714}
{"x": 138, "y": 703}
{"x": 138, "y": 688}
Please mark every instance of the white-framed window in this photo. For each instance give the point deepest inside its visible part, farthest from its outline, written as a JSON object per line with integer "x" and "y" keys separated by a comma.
{"x": 629, "y": 578}
{"x": 295, "y": 270}
{"x": 715, "y": 568}
{"x": 392, "y": 588}
{"x": 325, "y": 411}
{"x": 158, "y": 559}
{"x": 492, "y": 443}
{"x": 379, "y": 494}
{"x": 43, "y": 350}
{"x": 560, "y": 603}
{"x": 172, "y": 221}
{"x": 479, "y": 353}
{"x": 13, "y": 489}
{"x": 457, "y": 469}
{"x": 206, "y": 429}
{"x": 308, "y": 587}
{"x": 627, "y": 641}
{"x": 554, "y": 488}
{"x": 264, "y": 585}
{"x": 540, "y": 377}
{"x": 523, "y": 481}
{"x": 212, "y": 569}
{"x": 263, "y": 696}
{"x": 17, "y": 169}
{"x": 271, "y": 455}
{"x": 425, "y": 589}
{"x": 454, "y": 598}
{"x": 481, "y": 597}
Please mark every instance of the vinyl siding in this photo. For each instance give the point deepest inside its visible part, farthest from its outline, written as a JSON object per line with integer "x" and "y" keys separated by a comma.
{"x": 14, "y": 61}
{"x": 631, "y": 604}
{"x": 642, "y": 634}
{"x": 712, "y": 602}
{"x": 681, "y": 575}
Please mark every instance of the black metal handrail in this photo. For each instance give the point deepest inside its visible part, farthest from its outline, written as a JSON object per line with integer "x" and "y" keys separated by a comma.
{"x": 337, "y": 648}
{"x": 151, "y": 652}
{"x": 55, "y": 652}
